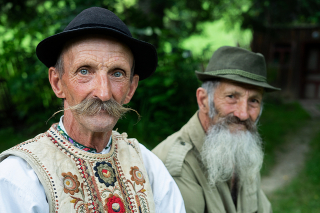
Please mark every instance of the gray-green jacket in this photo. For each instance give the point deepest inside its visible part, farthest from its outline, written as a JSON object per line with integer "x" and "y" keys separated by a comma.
{"x": 179, "y": 154}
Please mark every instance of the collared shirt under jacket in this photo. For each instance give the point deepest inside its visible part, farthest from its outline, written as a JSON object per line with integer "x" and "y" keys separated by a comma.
{"x": 21, "y": 190}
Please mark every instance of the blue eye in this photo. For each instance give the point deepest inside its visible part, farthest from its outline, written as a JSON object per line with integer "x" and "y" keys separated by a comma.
{"x": 117, "y": 74}
{"x": 84, "y": 72}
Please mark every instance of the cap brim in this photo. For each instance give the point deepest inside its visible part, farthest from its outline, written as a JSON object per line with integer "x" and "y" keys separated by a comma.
{"x": 206, "y": 77}
{"x": 145, "y": 54}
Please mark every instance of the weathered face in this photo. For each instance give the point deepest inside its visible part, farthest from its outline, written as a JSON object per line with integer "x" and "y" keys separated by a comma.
{"x": 97, "y": 67}
{"x": 240, "y": 100}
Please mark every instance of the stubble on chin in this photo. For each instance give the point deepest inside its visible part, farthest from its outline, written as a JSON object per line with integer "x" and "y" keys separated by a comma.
{"x": 100, "y": 122}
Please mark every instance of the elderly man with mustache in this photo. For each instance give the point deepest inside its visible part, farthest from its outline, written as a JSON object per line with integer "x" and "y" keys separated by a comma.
{"x": 216, "y": 157}
{"x": 80, "y": 164}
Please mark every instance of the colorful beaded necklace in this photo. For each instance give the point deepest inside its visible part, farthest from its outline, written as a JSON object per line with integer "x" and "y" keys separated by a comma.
{"x": 78, "y": 145}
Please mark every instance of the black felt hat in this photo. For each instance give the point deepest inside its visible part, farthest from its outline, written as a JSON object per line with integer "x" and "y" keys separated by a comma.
{"x": 97, "y": 20}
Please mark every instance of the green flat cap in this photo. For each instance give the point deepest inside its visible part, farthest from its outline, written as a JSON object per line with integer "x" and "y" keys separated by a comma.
{"x": 237, "y": 64}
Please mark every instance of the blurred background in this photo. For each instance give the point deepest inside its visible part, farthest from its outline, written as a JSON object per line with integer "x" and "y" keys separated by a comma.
{"x": 185, "y": 33}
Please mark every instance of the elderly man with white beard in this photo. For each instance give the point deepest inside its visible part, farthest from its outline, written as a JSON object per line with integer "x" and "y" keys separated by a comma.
{"x": 216, "y": 157}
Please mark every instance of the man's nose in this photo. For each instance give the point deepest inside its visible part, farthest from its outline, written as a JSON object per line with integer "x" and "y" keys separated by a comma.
{"x": 102, "y": 88}
{"x": 242, "y": 110}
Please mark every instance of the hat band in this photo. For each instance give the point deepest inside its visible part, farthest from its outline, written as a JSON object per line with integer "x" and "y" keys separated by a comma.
{"x": 238, "y": 72}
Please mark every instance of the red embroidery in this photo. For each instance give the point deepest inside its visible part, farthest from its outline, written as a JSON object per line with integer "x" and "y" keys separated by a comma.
{"x": 125, "y": 196}
{"x": 114, "y": 204}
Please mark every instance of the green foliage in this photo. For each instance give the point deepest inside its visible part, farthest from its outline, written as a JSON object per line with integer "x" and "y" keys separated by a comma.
{"x": 302, "y": 195}
{"x": 264, "y": 13}
{"x": 9, "y": 138}
{"x": 278, "y": 119}
{"x": 214, "y": 35}
{"x": 165, "y": 101}
{"x": 161, "y": 99}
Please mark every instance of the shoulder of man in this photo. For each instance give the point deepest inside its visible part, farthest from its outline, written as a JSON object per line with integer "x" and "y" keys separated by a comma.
{"x": 173, "y": 151}
{"x": 29, "y": 148}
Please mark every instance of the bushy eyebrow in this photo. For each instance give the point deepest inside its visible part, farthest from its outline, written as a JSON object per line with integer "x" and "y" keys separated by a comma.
{"x": 257, "y": 96}
{"x": 232, "y": 92}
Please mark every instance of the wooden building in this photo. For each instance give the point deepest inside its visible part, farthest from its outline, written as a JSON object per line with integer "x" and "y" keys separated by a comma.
{"x": 293, "y": 59}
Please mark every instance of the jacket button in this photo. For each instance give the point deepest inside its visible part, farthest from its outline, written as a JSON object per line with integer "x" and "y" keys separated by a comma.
{"x": 182, "y": 143}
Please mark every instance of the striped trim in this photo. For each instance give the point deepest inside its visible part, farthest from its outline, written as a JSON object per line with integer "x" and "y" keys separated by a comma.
{"x": 238, "y": 72}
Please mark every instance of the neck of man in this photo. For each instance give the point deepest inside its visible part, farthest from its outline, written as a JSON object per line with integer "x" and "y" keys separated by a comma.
{"x": 204, "y": 120}
{"x": 96, "y": 140}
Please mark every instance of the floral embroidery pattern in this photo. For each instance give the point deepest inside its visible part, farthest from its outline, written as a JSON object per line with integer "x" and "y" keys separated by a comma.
{"x": 140, "y": 196}
{"x": 104, "y": 185}
{"x": 114, "y": 204}
{"x": 138, "y": 203}
{"x": 105, "y": 173}
{"x": 91, "y": 199}
{"x": 137, "y": 176}
{"x": 70, "y": 183}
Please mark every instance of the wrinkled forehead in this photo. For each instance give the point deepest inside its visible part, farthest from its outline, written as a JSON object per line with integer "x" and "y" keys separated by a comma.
{"x": 233, "y": 84}
{"x": 81, "y": 42}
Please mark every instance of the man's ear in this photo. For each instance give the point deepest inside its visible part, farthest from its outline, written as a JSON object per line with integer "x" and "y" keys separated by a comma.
{"x": 202, "y": 99}
{"x": 55, "y": 82}
{"x": 132, "y": 89}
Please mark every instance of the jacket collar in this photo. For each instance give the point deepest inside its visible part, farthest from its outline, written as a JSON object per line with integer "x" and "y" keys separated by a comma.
{"x": 195, "y": 131}
{"x": 247, "y": 194}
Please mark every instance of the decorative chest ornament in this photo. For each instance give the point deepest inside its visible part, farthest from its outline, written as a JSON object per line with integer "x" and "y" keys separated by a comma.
{"x": 78, "y": 181}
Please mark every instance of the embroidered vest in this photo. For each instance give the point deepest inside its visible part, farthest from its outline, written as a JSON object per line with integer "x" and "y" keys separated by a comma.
{"x": 78, "y": 181}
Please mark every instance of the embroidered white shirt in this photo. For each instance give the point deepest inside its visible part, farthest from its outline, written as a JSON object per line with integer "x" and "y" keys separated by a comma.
{"x": 21, "y": 190}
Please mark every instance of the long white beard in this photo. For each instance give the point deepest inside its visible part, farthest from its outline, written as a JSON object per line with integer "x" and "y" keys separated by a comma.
{"x": 225, "y": 153}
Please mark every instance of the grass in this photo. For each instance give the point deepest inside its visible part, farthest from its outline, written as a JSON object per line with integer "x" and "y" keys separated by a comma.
{"x": 302, "y": 195}
{"x": 278, "y": 119}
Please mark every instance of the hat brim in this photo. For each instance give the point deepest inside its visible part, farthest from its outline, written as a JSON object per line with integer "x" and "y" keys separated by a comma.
{"x": 206, "y": 77}
{"x": 145, "y": 54}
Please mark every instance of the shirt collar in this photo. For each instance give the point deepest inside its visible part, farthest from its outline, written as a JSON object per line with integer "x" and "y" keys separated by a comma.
{"x": 63, "y": 129}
